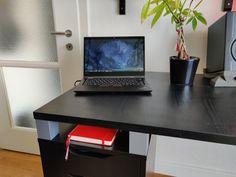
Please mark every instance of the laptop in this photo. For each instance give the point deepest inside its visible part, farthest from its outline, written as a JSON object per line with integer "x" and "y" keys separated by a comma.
{"x": 114, "y": 64}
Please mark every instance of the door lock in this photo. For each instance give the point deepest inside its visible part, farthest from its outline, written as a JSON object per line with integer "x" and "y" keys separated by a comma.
{"x": 69, "y": 46}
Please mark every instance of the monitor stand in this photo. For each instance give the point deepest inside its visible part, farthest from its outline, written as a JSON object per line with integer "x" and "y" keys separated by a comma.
{"x": 221, "y": 79}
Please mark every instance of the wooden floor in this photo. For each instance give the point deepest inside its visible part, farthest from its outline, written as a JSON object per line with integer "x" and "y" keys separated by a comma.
{"x": 157, "y": 175}
{"x": 15, "y": 164}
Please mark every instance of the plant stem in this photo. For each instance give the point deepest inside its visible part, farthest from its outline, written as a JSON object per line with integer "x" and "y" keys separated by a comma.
{"x": 183, "y": 6}
{"x": 197, "y": 4}
{"x": 181, "y": 45}
{"x": 190, "y": 4}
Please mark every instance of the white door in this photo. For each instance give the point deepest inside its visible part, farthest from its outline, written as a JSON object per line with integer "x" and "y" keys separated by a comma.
{"x": 35, "y": 67}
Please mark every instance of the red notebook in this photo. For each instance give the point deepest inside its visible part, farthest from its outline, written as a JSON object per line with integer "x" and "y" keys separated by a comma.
{"x": 92, "y": 135}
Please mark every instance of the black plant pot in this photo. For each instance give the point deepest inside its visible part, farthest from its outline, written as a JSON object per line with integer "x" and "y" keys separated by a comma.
{"x": 182, "y": 72}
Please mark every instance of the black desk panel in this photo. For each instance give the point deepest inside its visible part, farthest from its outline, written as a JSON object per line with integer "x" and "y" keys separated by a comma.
{"x": 200, "y": 112}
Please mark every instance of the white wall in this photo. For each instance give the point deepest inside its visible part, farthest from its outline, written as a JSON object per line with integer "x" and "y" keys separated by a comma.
{"x": 183, "y": 158}
{"x": 104, "y": 20}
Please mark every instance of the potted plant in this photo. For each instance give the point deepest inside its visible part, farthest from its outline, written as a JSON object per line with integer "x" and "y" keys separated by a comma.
{"x": 183, "y": 12}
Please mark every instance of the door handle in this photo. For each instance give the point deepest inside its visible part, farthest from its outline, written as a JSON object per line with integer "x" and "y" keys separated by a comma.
{"x": 67, "y": 33}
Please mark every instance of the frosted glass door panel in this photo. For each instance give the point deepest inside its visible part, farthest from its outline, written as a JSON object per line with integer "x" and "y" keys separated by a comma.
{"x": 27, "y": 90}
{"x": 25, "y": 27}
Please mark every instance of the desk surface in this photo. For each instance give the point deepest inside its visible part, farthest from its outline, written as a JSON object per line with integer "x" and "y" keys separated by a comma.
{"x": 200, "y": 112}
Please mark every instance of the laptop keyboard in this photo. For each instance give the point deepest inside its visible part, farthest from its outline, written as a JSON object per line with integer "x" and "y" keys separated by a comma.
{"x": 115, "y": 82}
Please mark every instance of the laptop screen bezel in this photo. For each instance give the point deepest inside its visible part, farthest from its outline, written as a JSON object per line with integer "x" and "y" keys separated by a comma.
{"x": 123, "y": 73}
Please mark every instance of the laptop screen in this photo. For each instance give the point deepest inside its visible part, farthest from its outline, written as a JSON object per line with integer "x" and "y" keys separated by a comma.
{"x": 114, "y": 56}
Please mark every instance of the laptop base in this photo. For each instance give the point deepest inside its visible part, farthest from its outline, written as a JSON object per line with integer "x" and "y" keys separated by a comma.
{"x": 97, "y": 89}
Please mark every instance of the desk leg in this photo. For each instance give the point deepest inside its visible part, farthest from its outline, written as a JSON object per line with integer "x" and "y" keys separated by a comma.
{"x": 138, "y": 143}
{"x": 144, "y": 145}
{"x": 151, "y": 157}
{"x": 47, "y": 129}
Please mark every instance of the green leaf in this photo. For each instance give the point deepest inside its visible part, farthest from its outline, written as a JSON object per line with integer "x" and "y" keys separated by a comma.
{"x": 194, "y": 24}
{"x": 196, "y": 13}
{"x": 159, "y": 12}
{"x": 172, "y": 5}
{"x": 202, "y": 19}
{"x": 172, "y": 19}
{"x": 186, "y": 12}
{"x": 155, "y": 1}
{"x": 167, "y": 11}
{"x": 189, "y": 20}
{"x": 145, "y": 10}
{"x": 177, "y": 4}
{"x": 153, "y": 11}
{"x": 180, "y": 5}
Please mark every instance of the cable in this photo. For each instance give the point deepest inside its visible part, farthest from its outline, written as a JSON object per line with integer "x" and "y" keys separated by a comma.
{"x": 75, "y": 83}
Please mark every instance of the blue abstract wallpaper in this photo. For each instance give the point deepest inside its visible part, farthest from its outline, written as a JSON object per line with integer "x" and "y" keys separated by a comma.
{"x": 114, "y": 55}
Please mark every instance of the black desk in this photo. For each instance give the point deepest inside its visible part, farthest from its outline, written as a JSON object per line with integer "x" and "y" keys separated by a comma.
{"x": 200, "y": 112}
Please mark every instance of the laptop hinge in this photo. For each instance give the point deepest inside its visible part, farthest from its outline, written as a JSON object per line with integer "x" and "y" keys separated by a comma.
{"x": 91, "y": 77}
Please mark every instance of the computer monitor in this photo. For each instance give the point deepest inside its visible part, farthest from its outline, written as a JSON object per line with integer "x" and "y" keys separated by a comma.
{"x": 221, "y": 47}
{"x": 114, "y": 56}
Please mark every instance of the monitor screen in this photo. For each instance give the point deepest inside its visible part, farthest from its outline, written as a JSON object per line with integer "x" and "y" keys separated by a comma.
{"x": 113, "y": 54}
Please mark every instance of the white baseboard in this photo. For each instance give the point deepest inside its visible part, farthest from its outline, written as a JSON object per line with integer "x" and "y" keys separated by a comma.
{"x": 186, "y": 170}
{"x": 190, "y": 158}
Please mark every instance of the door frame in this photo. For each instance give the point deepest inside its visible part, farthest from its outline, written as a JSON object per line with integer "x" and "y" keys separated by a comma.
{"x": 69, "y": 72}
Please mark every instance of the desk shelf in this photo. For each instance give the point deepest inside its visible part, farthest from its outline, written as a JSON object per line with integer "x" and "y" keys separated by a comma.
{"x": 121, "y": 144}
{"x": 88, "y": 160}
